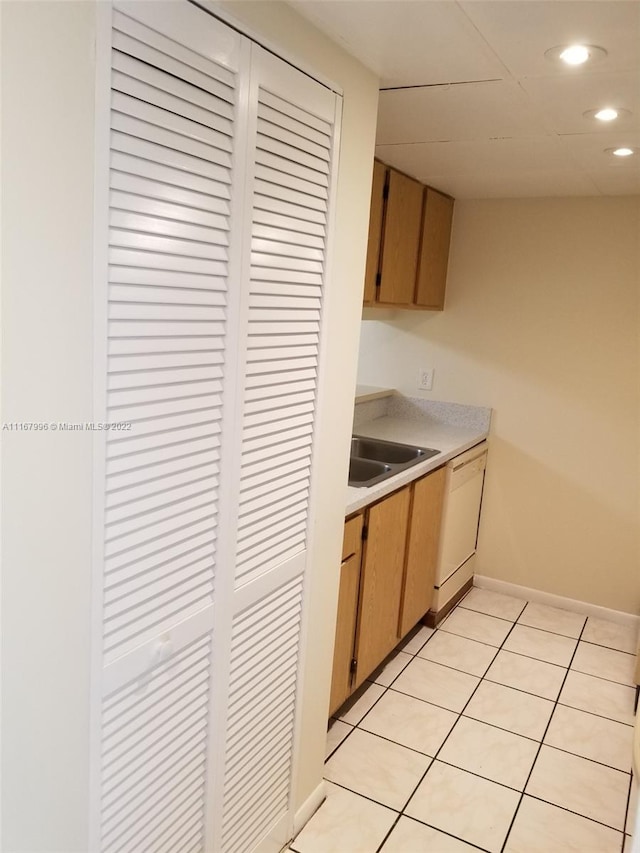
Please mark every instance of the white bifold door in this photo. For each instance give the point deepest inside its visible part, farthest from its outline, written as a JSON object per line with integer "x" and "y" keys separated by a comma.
{"x": 215, "y": 163}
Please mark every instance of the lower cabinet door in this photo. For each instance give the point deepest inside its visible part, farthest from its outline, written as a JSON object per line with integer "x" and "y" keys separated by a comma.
{"x": 345, "y": 632}
{"x": 422, "y": 548}
{"x": 382, "y": 576}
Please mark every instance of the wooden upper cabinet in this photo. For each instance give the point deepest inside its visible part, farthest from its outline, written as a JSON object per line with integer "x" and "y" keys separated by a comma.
{"x": 434, "y": 250}
{"x": 408, "y": 248}
{"x": 375, "y": 231}
{"x": 402, "y": 227}
{"x": 422, "y": 548}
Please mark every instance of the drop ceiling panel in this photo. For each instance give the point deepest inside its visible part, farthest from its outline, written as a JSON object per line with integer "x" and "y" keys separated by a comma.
{"x": 588, "y": 151}
{"x": 456, "y": 112}
{"x": 505, "y": 184}
{"x": 407, "y": 42}
{"x": 617, "y": 183}
{"x": 565, "y": 99}
{"x": 540, "y": 153}
{"x": 521, "y": 32}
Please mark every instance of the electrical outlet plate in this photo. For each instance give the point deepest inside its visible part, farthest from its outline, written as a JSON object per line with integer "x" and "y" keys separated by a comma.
{"x": 425, "y": 378}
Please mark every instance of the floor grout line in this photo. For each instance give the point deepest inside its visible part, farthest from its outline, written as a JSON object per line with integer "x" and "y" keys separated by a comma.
{"x": 571, "y": 811}
{"x": 626, "y": 811}
{"x": 593, "y": 713}
{"x": 586, "y": 758}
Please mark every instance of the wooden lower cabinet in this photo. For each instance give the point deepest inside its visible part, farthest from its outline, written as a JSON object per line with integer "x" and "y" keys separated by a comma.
{"x": 341, "y": 681}
{"x": 386, "y": 582}
{"x": 381, "y": 586}
{"x": 422, "y": 548}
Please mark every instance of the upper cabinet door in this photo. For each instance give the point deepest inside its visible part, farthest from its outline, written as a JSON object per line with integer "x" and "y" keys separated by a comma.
{"x": 375, "y": 231}
{"x": 434, "y": 251}
{"x": 402, "y": 226}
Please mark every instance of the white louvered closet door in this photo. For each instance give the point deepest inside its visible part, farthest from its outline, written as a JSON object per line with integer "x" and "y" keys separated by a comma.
{"x": 221, "y": 164}
{"x": 292, "y": 135}
{"x": 173, "y": 133}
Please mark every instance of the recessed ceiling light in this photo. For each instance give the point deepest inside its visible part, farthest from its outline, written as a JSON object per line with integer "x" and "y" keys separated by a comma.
{"x": 575, "y": 54}
{"x": 606, "y": 114}
{"x": 622, "y": 151}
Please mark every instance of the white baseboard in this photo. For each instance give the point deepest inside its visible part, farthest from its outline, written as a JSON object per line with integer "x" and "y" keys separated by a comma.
{"x": 309, "y": 808}
{"x": 548, "y": 598}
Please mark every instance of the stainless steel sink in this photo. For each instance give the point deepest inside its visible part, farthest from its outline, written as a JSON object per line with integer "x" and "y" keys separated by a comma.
{"x": 373, "y": 459}
{"x": 385, "y": 451}
{"x": 362, "y": 471}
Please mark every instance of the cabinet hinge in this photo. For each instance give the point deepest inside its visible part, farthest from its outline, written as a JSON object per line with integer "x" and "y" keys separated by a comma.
{"x": 365, "y": 532}
{"x": 378, "y": 279}
{"x": 353, "y": 666}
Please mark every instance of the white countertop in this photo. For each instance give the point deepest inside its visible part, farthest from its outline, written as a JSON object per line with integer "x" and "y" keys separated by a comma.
{"x": 449, "y": 440}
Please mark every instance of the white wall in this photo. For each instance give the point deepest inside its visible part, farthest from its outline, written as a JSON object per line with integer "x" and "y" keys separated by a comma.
{"x": 542, "y": 323}
{"x": 289, "y": 33}
{"x": 47, "y": 101}
{"x": 48, "y": 80}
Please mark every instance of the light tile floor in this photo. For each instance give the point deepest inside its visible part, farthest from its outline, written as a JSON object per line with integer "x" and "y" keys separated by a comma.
{"x": 509, "y": 728}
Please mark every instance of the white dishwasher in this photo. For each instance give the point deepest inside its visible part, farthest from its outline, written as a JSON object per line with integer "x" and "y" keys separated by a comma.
{"x": 459, "y": 532}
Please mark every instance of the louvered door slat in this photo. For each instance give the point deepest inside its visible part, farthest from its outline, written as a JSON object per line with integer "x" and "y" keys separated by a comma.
{"x": 149, "y": 55}
{"x": 161, "y": 560}
{"x": 285, "y": 231}
{"x": 173, "y": 215}
{"x": 173, "y": 193}
{"x": 291, "y": 173}
{"x": 131, "y": 220}
{"x": 126, "y": 109}
{"x": 308, "y": 124}
{"x": 306, "y": 197}
{"x": 132, "y": 127}
{"x": 123, "y": 363}
{"x": 255, "y": 463}
{"x": 255, "y": 395}
{"x": 168, "y": 151}
{"x": 283, "y": 149}
{"x": 171, "y": 78}
{"x": 268, "y": 214}
{"x": 139, "y": 496}
{"x": 283, "y": 126}
{"x": 174, "y": 47}
{"x": 278, "y": 477}
{"x": 130, "y": 239}
{"x": 155, "y": 170}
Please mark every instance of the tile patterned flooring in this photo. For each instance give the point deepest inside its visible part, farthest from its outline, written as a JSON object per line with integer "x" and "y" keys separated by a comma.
{"x": 509, "y": 728}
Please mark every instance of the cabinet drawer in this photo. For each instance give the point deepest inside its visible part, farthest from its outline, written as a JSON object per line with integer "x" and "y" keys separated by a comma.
{"x": 352, "y": 537}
